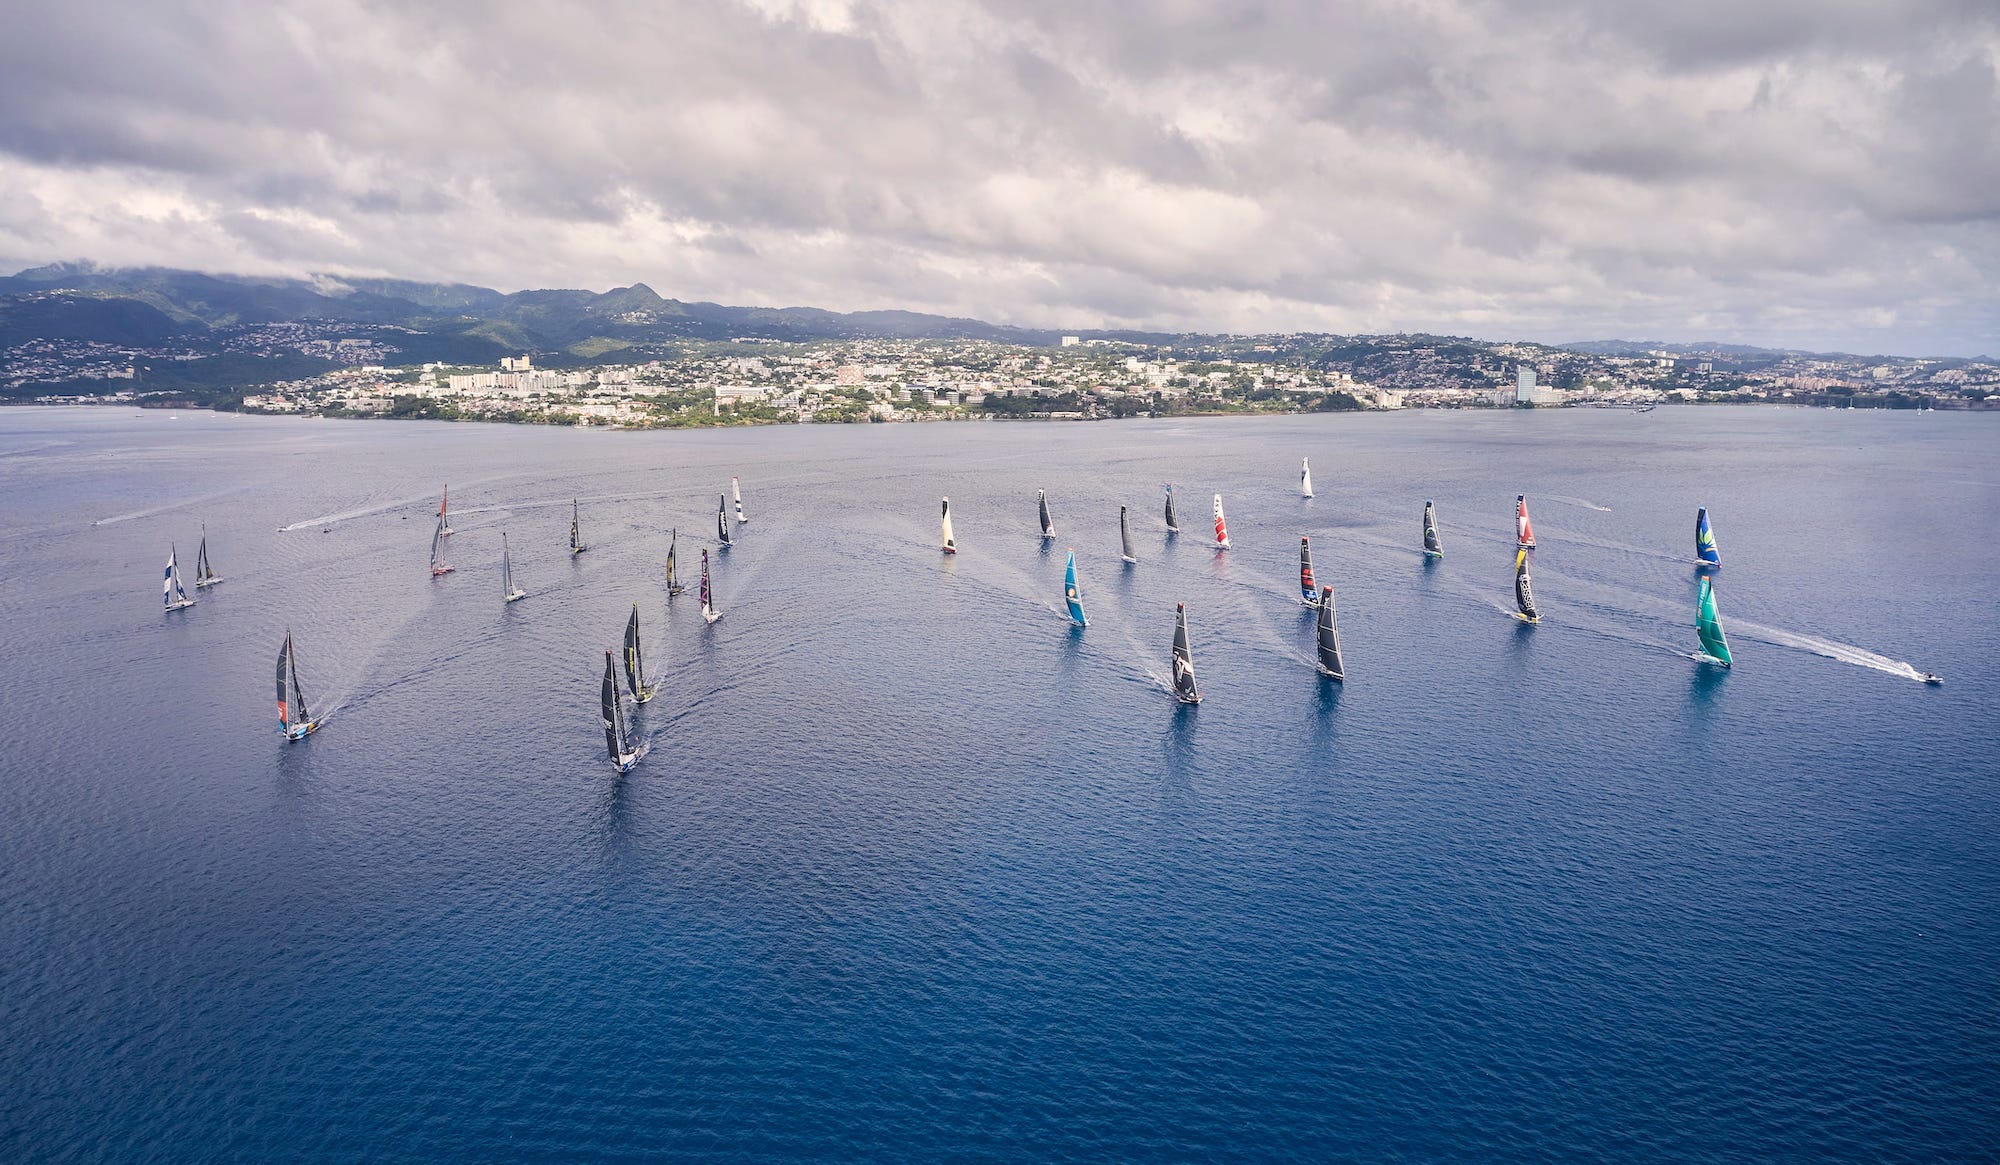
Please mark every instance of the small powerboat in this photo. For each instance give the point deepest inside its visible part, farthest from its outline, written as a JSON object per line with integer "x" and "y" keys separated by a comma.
{"x": 1931, "y": 678}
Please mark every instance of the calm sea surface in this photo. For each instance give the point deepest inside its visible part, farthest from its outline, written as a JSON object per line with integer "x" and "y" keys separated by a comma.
{"x": 913, "y": 872}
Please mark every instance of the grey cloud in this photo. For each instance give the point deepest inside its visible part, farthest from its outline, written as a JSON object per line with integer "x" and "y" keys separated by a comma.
{"x": 1822, "y": 172}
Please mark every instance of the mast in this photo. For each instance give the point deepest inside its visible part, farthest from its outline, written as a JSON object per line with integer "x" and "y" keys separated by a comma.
{"x": 285, "y": 684}
{"x": 1184, "y": 687}
{"x": 1432, "y": 547}
{"x": 708, "y": 610}
{"x": 1307, "y": 594}
{"x": 1042, "y": 503}
{"x": 438, "y": 565}
{"x": 1305, "y": 477}
{"x": 1125, "y": 534}
{"x": 1329, "y": 638}
{"x": 1524, "y": 590}
{"x": 722, "y": 521}
{"x": 1071, "y": 595}
{"x": 1173, "y": 525}
{"x": 173, "y": 594}
{"x": 576, "y": 543}
{"x": 736, "y": 487}
{"x": 1709, "y": 626}
{"x": 204, "y": 574}
{"x": 1221, "y": 527}
{"x": 635, "y": 665}
{"x": 950, "y": 543}
{"x": 507, "y": 594}
{"x": 444, "y": 512}
{"x": 1705, "y": 553}
{"x": 1524, "y": 530}
{"x": 673, "y": 580}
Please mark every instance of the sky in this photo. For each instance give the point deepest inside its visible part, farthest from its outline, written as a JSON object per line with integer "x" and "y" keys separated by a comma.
{"x": 1819, "y": 174}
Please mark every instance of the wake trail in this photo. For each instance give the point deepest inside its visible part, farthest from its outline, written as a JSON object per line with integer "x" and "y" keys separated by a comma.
{"x": 1586, "y": 504}
{"x": 162, "y": 509}
{"x": 1831, "y": 649}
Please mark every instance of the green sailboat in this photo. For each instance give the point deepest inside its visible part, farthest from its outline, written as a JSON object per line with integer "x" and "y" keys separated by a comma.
{"x": 1714, "y": 647}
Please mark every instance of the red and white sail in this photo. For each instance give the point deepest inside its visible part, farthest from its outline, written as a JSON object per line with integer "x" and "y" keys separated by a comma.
{"x": 1221, "y": 527}
{"x": 1524, "y": 530}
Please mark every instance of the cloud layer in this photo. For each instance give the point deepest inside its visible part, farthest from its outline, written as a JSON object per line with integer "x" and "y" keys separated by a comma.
{"x": 1821, "y": 173}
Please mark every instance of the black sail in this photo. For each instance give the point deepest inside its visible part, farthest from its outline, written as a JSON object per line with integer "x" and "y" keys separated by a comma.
{"x": 1524, "y": 591}
{"x": 1184, "y": 686}
{"x": 635, "y": 667}
{"x": 285, "y": 682}
{"x": 1048, "y": 527}
{"x": 1431, "y": 544}
{"x": 1171, "y": 523}
{"x": 721, "y": 519}
{"x": 612, "y": 721}
{"x": 673, "y": 545}
{"x": 1125, "y": 534}
{"x": 1329, "y": 637}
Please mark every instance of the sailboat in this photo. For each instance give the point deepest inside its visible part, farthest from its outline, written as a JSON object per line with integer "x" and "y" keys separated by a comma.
{"x": 1524, "y": 530}
{"x": 576, "y": 543}
{"x": 1048, "y": 524}
{"x": 1072, "y": 596}
{"x": 950, "y": 543}
{"x": 1705, "y": 553}
{"x": 1432, "y": 547}
{"x": 722, "y": 523}
{"x": 175, "y": 594}
{"x": 617, "y": 738}
{"x": 1307, "y": 593}
{"x": 1221, "y": 527}
{"x": 708, "y": 610}
{"x": 1329, "y": 638}
{"x": 444, "y": 512}
{"x": 508, "y": 591}
{"x": 1524, "y": 590}
{"x": 438, "y": 565}
{"x": 1173, "y": 524}
{"x": 1125, "y": 535}
{"x": 674, "y": 586}
{"x": 293, "y": 719}
{"x": 1714, "y": 647}
{"x": 204, "y": 574}
{"x": 1184, "y": 688}
{"x": 736, "y": 488}
{"x": 1305, "y": 477}
{"x": 635, "y": 665}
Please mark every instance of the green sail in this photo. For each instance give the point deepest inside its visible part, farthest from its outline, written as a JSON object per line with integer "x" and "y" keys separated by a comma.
{"x": 1710, "y": 627}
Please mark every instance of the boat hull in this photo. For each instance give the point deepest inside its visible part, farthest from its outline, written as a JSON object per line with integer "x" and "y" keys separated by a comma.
{"x": 1704, "y": 657}
{"x": 183, "y": 605}
{"x": 1524, "y": 618}
{"x": 517, "y": 596}
{"x": 441, "y": 571}
{"x": 206, "y": 582}
{"x": 301, "y": 731}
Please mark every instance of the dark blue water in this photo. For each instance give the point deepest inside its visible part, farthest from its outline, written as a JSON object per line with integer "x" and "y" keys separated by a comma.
{"x": 913, "y": 872}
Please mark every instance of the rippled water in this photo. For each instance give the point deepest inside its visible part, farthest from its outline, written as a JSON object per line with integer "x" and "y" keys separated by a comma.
{"x": 915, "y": 872}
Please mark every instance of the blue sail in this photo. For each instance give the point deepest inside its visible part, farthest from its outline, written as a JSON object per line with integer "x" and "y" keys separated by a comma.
{"x": 1070, "y": 594}
{"x": 1704, "y": 540}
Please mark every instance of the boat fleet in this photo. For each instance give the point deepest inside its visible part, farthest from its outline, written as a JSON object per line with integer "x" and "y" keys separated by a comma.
{"x": 296, "y": 722}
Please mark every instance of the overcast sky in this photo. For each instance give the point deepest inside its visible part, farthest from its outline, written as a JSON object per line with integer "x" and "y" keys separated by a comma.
{"x": 1814, "y": 173}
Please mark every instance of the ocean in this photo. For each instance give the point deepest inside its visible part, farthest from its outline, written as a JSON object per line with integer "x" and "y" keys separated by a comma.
{"x": 914, "y": 871}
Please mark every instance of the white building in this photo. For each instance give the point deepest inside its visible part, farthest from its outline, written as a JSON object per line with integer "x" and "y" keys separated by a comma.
{"x": 1526, "y": 393}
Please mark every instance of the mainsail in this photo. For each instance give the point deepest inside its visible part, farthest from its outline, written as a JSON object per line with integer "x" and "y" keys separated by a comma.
{"x": 722, "y": 522}
{"x": 1524, "y": 530}
{"x": 175, "y": 594}
{"x": 1709, "y": 627}
{"x": 438, "y": 565}
{"x": 204, "y": 574}
{"x": 1705, "y": 553}
{"x": 508, "y": 590}
{"x": 1432, "y": 547}
{"x": 293, "y": 718}
{"x": 444, "y": 512}
{"x": 1072, "y": 596}
{"x": 1307, "y": 594}
{"x": 635, "y": 665}
{"x": 1125, "y": 534}
{"x": 1184, "y": 689}
{"x": 674, "y": 586}
{"x": 576, "y": 543}
{"x": 1173, "y": 524}
{"x": 617, "y": 741}
{"x": 1524, "y": 591}
{"x": 1221, "y": 527}
{"x": 1329, "y": 637}
{"x": 950, "y": 543}
{"x": 708, "y": 610}
{"x": 1042, "y": 503}
{"x": 736, "y": 488}
{"x": 1305, "y": 477}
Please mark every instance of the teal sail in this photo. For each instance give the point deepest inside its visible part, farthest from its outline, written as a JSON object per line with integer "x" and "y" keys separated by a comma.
{"x": 1705, "y": 553}
{"x": 1714, "y": 646}
{"x": 1070, "y": 593}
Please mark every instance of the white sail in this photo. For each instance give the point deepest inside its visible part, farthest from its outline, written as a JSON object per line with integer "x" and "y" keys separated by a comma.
{"x": 736, "y": 488}
{"x": 950, "y": 542}
{"x": 1305, "y": 477}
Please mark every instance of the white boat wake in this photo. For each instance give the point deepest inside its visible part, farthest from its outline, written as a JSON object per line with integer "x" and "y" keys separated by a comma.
{"x": 170, "y": 506}
{"x": 1584, "y": 502}
{"x": 1831, "y": 649}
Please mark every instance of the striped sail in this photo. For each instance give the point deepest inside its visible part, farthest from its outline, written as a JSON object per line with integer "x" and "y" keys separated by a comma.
{"x": 1221, "y": 527}
{"x": 1071, "y": 595}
